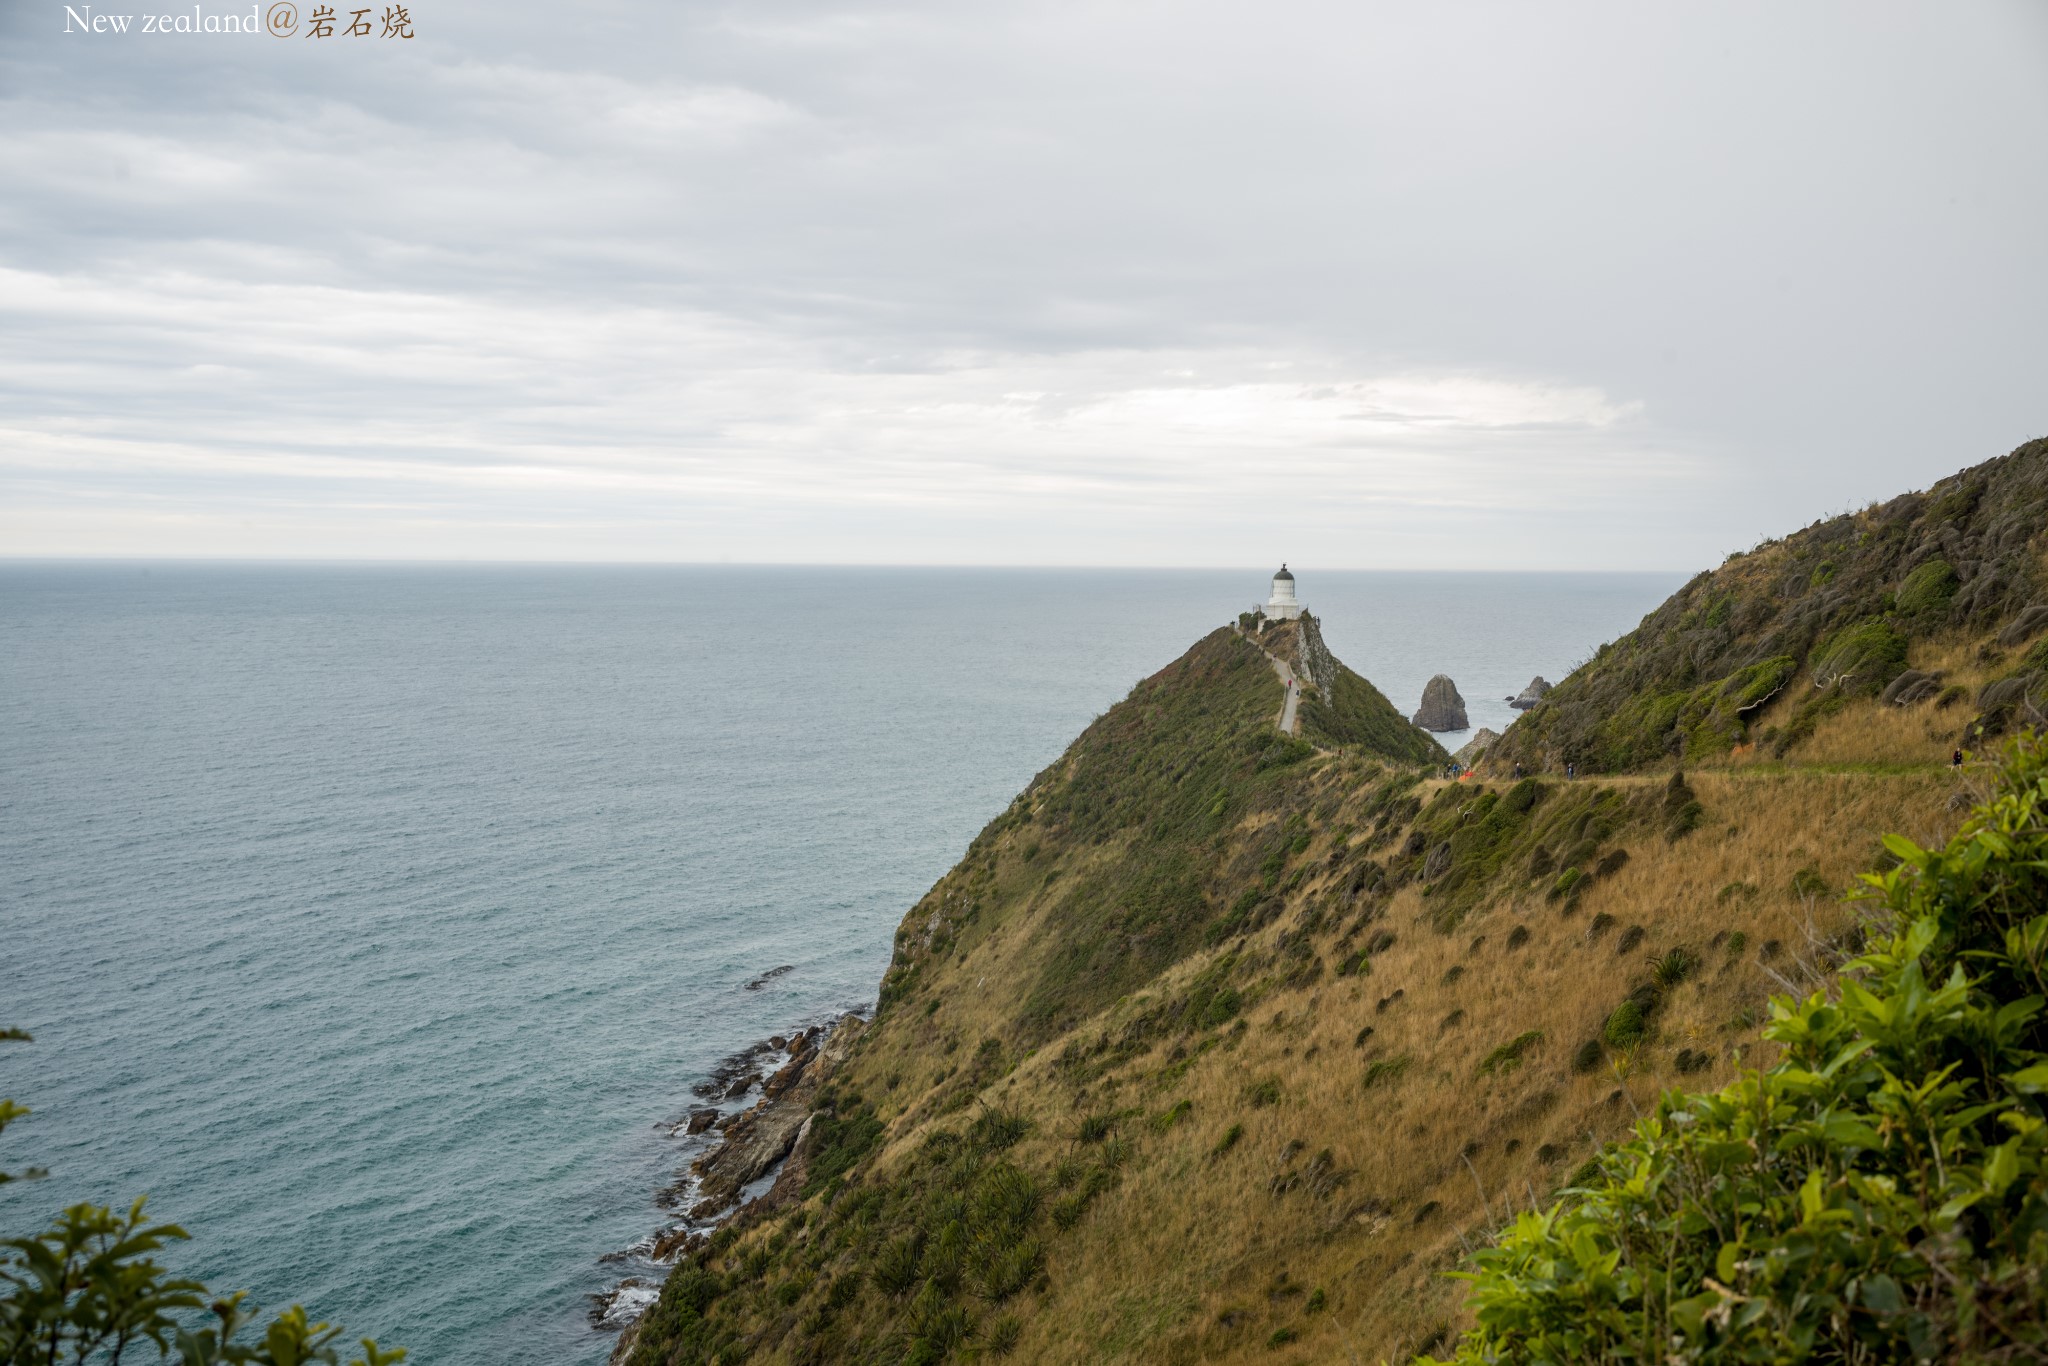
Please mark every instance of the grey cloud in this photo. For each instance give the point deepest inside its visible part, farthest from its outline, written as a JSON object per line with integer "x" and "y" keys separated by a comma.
{"x": 767, "y": 275}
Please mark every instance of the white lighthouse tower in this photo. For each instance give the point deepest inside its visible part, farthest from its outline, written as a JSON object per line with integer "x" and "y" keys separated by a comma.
{"x": 1282, "y": 606}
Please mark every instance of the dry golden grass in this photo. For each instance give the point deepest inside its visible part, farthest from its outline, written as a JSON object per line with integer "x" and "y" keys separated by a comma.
{"x": 1195, "y": 1257}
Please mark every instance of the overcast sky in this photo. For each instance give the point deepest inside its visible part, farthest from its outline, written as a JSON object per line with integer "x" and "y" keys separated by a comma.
{"x": 1415, "y": 285}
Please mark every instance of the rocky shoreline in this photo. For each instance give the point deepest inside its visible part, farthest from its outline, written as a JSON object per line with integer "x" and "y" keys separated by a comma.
{"x": 738, "y": 1159}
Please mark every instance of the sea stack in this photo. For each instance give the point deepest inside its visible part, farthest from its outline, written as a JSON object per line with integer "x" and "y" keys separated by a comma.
{"x": 1530, "y": 695}
{"x": 1442, "y": 708}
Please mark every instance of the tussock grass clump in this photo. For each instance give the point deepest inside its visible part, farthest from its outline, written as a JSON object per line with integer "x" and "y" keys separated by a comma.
{"x": 1387, "y": 1071}
{"x": 1672, "y": 967}
{"x": 1508, "y": 1056}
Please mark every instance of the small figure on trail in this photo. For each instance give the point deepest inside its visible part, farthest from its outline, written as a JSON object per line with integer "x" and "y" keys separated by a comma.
{"x": 1956, "y": 760}
{"x": 1571, "y": 770}
{"x": 1518, "y": 772}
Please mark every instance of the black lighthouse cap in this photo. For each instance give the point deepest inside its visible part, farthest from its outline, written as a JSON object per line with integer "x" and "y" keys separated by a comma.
{"x": 1283, "y": 574}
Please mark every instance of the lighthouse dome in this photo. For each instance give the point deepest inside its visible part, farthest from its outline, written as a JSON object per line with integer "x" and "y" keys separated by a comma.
{"x": 1283, "y": 574}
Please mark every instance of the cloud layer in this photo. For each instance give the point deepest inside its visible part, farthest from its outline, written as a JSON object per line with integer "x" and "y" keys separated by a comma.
{"x": 1105, "y": 283}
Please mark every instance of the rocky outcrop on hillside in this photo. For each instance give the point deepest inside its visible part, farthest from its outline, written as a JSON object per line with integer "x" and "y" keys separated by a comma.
{"x": 1537, "y": 690}
{"x": 1442, "y": 708}
{"x": 756, "y": 1139}
{"x": 1340, "y": 709}
{"x": 1476, "y": 746}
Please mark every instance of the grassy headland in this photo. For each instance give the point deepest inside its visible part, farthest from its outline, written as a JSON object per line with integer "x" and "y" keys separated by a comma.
{"x": 1224, "y": 1045}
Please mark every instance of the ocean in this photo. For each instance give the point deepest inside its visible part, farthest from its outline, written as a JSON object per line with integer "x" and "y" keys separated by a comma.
{"x": 375, "y": 920}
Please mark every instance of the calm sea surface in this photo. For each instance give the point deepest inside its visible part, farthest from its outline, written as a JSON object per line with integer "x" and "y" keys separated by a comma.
{"x": 370, "y": 918}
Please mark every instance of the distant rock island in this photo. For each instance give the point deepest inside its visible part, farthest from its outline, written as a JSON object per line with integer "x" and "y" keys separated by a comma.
{"x": 1442, "y": 708}
{"x": 1530, "y": 695}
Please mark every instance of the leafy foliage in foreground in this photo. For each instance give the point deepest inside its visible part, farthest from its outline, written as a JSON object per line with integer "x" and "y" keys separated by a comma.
{"x": 89, "y": 1287}
{"x": 1880, "y": 1194}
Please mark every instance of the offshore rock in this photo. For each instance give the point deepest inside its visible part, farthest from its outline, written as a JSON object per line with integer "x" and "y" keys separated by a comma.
{"x": 1442, "y": 708}
{"x": 1530, "y": 695}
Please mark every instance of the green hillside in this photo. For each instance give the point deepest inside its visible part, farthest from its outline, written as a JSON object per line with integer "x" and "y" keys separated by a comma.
{"x": 1766, "y": 648}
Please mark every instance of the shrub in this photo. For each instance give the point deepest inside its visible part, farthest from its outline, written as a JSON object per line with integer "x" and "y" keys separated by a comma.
{"x": 1518, "y": 936}
{"x": 1927, "y": 590}
{"x": 1736, "y": 943}
{"x": 1172, "y": 1116}
{"x": 1861, "y": 658}
{"x": 1630, "y": 937}
{"x": 1586, "y": 1057}
{"x": 1263, "y": 1093}
{"x": 1880, "y": 1193}
{"x": 1624, "y": 1028}
{"x": 1228, "y": 1141}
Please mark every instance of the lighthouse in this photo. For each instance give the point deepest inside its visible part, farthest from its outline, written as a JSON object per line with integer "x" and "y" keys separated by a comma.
{"x": 1282, "y": 605}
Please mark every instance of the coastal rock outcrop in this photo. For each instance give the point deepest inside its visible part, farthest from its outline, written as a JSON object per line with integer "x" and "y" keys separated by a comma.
{"x": 1442, "y": 708}
{"x": 1530, "y": 695}
{"x": 1476, "y": 746}
{"x": 756, "y": 1139}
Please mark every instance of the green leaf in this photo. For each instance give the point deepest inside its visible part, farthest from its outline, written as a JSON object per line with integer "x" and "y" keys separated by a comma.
{"x": 2029, "y": 1080}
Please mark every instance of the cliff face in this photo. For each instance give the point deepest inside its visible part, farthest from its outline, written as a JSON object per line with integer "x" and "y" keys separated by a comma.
{"x": 1223, "y": 1045}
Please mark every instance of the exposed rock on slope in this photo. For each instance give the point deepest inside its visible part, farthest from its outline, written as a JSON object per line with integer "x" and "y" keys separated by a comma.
{"x": 1476, "y": 746}
{"x": 1442, "y": 708}
{"x": 1780, "y": 637}
{"x": 1341, "y": 709}
{"x": 1537, "y": 690}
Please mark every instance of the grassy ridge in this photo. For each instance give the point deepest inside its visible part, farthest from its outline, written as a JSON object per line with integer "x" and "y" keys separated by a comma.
{"x": 1780, "y": 638}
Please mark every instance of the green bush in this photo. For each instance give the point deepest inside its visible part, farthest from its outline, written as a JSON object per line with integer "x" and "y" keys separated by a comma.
{"x": 1624, "y": 1027}
{"x": 1879, "y": 1194}
{"x": 1861, "y": 658}
{"x": 1927, "y": 590}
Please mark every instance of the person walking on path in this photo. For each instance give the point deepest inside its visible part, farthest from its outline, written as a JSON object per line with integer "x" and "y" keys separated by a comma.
{"x": 1956, "y": 760}
{"x": 1571, "y": 770}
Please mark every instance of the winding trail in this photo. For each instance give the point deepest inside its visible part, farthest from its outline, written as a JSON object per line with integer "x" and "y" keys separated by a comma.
{"x": 1289, "y": 723}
